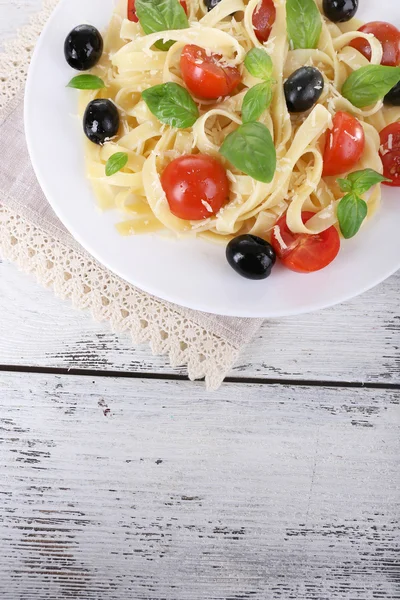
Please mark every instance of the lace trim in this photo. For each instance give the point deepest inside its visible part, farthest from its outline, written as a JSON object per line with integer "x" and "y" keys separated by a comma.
{"x": 109, "y": 298}
{"x": 17, "y": 53}
{"x": 84, "y": 282}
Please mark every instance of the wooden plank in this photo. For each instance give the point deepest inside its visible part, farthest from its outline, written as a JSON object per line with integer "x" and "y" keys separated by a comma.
{"x": 356, "y": 341}
{"x": 117, "y": 488}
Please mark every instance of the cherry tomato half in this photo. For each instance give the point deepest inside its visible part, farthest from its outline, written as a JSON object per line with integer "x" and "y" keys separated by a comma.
{"x": 132, "y": 11}
{"x": 344, "y": 145}
{"x": 305, "y": 253}
{"x": 263, "y": 19}
{"x": 390, "y": 137}
{"x": 205, "y": 76}
{"x": 388, "y": 35}
{"x": 196, "y": 186}
{"x": 390, "y": 153}
{"x": 132, "y": 16}
{"x": 391, "y": 168}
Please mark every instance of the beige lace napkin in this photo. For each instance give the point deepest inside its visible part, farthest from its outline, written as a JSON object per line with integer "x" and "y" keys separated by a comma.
{"x": 33, "y": 237}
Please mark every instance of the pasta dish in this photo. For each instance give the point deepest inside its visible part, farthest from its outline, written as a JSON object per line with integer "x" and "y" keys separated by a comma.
{"x": 268, "y": 126}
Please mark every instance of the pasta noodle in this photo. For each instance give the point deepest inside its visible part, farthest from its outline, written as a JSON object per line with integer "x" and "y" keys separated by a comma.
{"x": 131, "y": 64}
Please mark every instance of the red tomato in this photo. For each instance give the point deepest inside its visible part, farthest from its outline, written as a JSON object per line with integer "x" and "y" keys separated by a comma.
{"x": 132, "y": 12}
{"x": 263, "y": 19}
{"x": 205, "y": 76}
{"x": 390, "y": 137}
{"x": 305, "y": 253}
{"x": 344, "y": 145}
{"x": 391, "y": 168}
{"x": 388, "y": 35}
{"x": 390, "y": 153}
{"x": 196, "y": 186}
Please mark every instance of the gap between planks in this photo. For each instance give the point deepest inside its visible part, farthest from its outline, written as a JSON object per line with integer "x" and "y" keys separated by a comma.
{"x": 162, "y": 491}
{"x": 173, "y": 377}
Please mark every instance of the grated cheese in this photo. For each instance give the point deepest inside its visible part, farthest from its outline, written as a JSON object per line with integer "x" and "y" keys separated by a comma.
{"x": 327, "y": 213}
{"x": 353, "y": 137}
{"x": 207, "y": 206}
{"x": 383, "y": 150}
{"x": 279, "y": 238}
{"x": 201, "y": 223}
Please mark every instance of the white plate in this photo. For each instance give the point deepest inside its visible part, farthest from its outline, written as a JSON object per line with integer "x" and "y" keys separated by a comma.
{"x": 191, "y": 273}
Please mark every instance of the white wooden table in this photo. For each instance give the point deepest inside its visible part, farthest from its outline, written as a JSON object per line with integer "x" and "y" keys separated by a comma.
{"x": 119, "y": 479}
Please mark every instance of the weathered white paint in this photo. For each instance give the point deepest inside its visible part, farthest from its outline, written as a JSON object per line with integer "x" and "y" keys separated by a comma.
{"x": 116, "y": 488}
{"x": 357, "y": 341}
{"x": 14, "y": 14}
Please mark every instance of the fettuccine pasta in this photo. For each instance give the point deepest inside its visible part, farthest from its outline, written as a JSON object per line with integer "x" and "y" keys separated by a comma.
{"x": 131, "y": 63}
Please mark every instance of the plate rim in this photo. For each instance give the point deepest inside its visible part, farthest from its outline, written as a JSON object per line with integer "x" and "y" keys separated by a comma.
{"x": 160, "y": 294}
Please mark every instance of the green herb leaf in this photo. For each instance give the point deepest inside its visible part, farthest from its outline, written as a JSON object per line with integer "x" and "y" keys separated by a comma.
{"x": 304, "y": 23}
{"x": 250, "y": 149}
{"x": 369, "y": 84}
{"x": 86, "y": 82}
{"x": 116, "y": 162}
{"x": 360, "y": 182}
{"x": 256, "y": 100}
{"x": 351, "y": 212}
{"x": 345, "y": 185}
{"x": 161, "y": 15}
{"x": 259, "y": 63}
{"x": 172, "y": 104}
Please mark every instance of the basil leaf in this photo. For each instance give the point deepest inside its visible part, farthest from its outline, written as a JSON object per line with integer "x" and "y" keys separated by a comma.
{"x": 256, "y": 100}
{"x": 161, "y": 15}
{"x": 351, "y": 212}
{"x": 86, "y": 82}
{"x": 259, "y": 63}
{"x": 345, "y": 185}
{"x": 116, "y": 162}
{"x": 172, "y": 104}
{"x": 370, "y": 84}
{"x": 304, "y": 23}
{"x": 250, "y": 149}
{"x": 360, "y": 182}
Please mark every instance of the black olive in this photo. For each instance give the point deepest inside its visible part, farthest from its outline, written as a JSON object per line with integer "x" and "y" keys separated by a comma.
{"x": 251, "y": 256}
{"x": 100, "y": 121}
{"x": 340, "y": 11}
{"x": 210, "y": 4}
{"x": 303, "y": 89}
{"x": 393, "y": 97}
{"x": 83, "y": 47}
